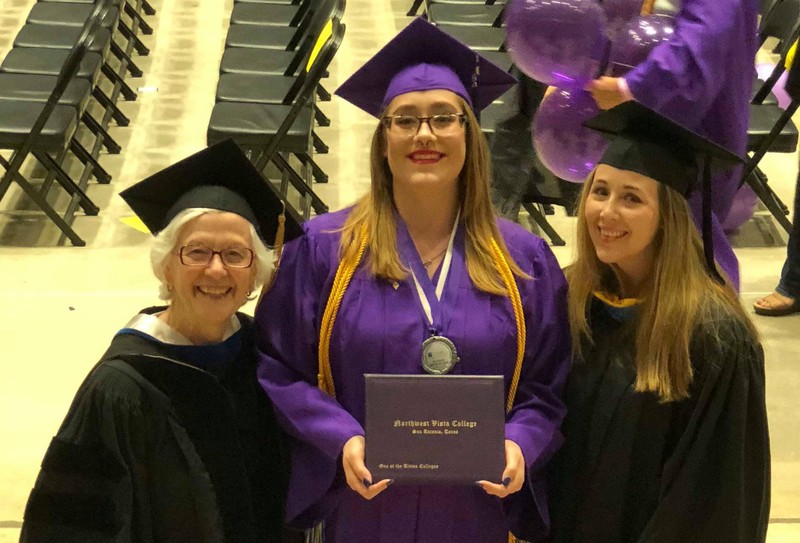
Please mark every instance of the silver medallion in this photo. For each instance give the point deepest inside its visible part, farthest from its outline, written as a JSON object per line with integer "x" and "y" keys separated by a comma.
{"x": 439, "y": 355}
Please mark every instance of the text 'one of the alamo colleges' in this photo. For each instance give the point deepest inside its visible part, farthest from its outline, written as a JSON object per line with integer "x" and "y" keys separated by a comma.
{"x": 408, "y": 466}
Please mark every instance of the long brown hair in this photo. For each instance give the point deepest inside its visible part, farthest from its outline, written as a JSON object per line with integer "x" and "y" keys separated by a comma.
{"x": 375, "y": 211}
{"x": 678, "y": 297}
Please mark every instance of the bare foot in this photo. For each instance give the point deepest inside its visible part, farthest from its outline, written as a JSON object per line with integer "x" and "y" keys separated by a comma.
{"x": 775, "y": 304}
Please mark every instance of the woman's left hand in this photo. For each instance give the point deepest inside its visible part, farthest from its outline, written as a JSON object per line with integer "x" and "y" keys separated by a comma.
{"x": 513, "y": 476}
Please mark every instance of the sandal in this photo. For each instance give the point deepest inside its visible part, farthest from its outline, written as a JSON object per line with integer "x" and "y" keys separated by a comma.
{"x": 764, "y": 307}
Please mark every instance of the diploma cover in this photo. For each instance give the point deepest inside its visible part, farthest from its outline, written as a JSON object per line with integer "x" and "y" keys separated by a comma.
{"x": 435, "y": 428}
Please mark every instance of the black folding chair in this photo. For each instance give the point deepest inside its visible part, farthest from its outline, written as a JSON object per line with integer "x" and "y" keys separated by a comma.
{"x": 43, "y": 130}
{"x": 771, "y": 129}
{"x": 268, "y": 132}
{"x": 270, "y": 14}
{"x": 263, "y": 61}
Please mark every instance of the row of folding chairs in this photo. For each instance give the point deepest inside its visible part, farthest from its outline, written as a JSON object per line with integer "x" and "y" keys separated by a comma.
{"x": 267, "y": 99}
{"x": 59, "y": 88}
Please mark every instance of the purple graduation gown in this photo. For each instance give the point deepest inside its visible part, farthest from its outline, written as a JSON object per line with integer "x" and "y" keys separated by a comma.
{"x": 380, "y": 329}
{"x": 702, "y": 78}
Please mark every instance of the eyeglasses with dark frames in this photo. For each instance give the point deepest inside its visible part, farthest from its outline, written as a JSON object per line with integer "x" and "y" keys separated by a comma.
{"x": 441, "y": 125}
{"x": 200, "y": 255}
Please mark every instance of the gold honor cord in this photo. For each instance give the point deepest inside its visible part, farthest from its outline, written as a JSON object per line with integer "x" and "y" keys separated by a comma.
{"x": 519, "y": 318}
{"x": 345, "y": 272}
{"x": 647, "y": 7}
{"x": 277, "y": 251}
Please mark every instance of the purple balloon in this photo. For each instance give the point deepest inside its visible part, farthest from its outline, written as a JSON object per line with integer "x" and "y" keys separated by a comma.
{"x": 620, "y": 12}
{"x": 563, "y": 144}
{"x": 636, "y": 39}
{"x": 558, "y": 42}
{"x": 742, "y": 208}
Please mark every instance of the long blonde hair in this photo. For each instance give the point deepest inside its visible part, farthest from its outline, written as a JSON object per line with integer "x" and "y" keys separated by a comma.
{"x": 375, "y": 211}
{"x": 679, "y": 296}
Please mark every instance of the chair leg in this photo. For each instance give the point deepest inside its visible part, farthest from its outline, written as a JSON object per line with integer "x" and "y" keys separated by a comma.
{"x": 299, "y": 184}
{"x": 135, "y": 16}
{"x": 414, "y": 7}
{"x": 40, "y": 201}
{"x": 109, "y": 143}
{"x": 130, "y": 65}
{"x": 67, "y": 183}
{"x": 319, "y": 175}
{"x": 100, "y": 173}
{"x": 140, "y": 47}
{"x": 548, "y": 229}
{"x": 319, "y": 146}
{"x": 758, "y": 182}
{"x": 147, "y": 8}
{"x": 322, "y": 119}
{"x": 127, "y": 92}
{"x": 323, "y": 94}
{"x": 106, "y": 102}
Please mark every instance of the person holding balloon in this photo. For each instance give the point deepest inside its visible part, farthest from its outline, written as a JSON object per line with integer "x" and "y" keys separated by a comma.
{"x": 701, "y": 76}
{"x": 696, "y": 68}
{"x": 666, "y": 437}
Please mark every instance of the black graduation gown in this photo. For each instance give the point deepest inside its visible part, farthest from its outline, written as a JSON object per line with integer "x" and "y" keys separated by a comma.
{"x": 154, "y": 449}
{"x": 636, "y": 470}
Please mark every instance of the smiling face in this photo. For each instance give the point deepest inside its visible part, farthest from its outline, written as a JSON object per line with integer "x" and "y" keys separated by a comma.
{"x": 427, "y": 156}
{"x": 205, "y": 296}
{"x": 622, "y": 215}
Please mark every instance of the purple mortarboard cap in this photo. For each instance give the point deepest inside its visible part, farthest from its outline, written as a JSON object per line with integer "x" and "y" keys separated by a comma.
{"x": 422, "y": 57}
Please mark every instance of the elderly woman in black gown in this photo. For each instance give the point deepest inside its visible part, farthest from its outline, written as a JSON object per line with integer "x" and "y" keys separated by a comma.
{"x": 170, "y": 438}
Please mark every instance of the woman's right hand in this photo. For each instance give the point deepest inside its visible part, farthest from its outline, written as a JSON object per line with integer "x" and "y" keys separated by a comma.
{"x": 358, "y": 476}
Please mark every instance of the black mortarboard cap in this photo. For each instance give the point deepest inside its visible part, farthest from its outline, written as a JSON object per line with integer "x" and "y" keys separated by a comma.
{"x": 218, "y": 177}
{"x": 646, "y": 142}
{"x": 422, "y": 57}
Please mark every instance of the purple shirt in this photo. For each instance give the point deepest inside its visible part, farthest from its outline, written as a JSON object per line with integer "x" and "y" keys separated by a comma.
{"x": 380, "y": 329}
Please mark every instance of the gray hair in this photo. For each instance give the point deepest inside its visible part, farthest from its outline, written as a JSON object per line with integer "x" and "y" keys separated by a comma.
{"x": 164, "y": 245}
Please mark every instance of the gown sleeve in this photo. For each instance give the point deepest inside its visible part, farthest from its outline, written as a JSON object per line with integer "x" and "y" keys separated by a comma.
{"x": 716, "y": 484}
{"x": 91, "y": 476}
{"x": 683, "y": 75}
{"x": 539, "y": 409}
{"x": 288, "y": 323}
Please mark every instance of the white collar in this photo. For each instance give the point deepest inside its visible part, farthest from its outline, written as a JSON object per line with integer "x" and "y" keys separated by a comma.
{"x": 163, "y": 332}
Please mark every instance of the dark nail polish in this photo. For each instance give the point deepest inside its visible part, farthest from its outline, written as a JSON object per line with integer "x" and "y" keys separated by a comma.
{"x": 367, "y": 482}
{"x": 507, "y": 481}
{"x": 478, "y": 484}
{"x": 389, "y": 483}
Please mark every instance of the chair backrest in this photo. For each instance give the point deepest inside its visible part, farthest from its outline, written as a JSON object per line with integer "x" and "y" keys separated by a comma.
{"x": 779, "y": 21}
{"x": 315, "y": 21}
{"x": 303, "y": 8}
{"x": 329, "y": 41}
{"x": 793, "y": 80}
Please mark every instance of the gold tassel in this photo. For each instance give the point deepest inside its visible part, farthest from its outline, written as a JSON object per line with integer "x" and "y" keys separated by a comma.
{"x": 647, "y": 7}
{"x": 277, "y": 251}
